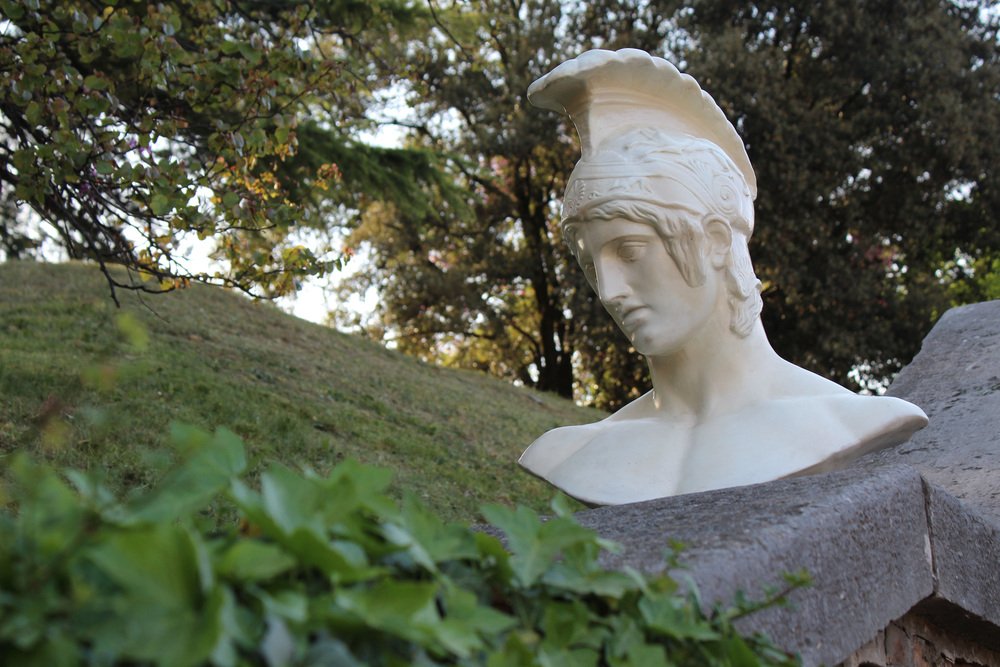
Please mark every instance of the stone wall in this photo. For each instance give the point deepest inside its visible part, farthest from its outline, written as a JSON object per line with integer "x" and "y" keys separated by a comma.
{"x": 903, "y": 546}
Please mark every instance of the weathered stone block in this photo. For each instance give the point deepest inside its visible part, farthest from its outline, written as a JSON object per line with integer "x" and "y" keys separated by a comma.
{"x": 966, "y": 548}
{"x": 852, "y": 530}
{"x": 956, "y": 380}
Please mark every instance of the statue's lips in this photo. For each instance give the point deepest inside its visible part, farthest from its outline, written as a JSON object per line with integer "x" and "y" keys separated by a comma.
{"x": 633, "y": 316}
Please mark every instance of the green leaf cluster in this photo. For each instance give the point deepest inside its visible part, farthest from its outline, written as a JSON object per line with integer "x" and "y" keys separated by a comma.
{"x": 130, "y": 128}
{"x": 321, "y": 570}
{"x": 873, "y": 128}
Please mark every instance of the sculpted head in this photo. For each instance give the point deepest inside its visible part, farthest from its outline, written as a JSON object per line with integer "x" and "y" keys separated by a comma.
{"x": 680, "y": 186}
{"x": 657, "y": 151}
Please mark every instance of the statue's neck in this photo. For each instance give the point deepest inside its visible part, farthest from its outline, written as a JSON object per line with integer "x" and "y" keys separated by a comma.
{"x": 714, "y": 373}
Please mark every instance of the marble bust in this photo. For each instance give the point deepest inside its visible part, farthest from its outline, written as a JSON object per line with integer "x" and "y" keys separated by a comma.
{"x": 658, "y": 212}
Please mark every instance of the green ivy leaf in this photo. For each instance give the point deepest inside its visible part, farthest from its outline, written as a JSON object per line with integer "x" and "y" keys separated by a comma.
{"x": 534, "y": 544}
{"x": 163, "y": 609}
{"x": 466, "y": 622}
{"x": 156, "y": 563}
{"x": 289, "y": 604}
{"x": 279, "y": 645}
{"x": 567, "y": 624}
{"x": 737, "y": 652}
{"x": 518, "y": 650}
{"x": 427, "y": 538}
{"x": 641, "y": 654}
{"x": 209, "y": 469}
{"x": 330, "y": 651}
{"x": 292, "y": 502}
{"x": 577, "y": 657}
{"x": 298, "y": 514}
{"x": 493, "y": 554}
{"x": 55, "y": 650}
{"x": 251, "y": 560}
{"x": 50, "y": 517}
{"x": 675, "y": 617}
{"x": 403, "y": 608}
{"x": 588, "y": 579}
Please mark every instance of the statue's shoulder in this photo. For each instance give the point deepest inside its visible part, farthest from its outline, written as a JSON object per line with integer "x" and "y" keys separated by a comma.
{"x": 555, "y": 446}
{"x": 875, "y": 421}
{"x": 828, "y": 431}
{"x": 558, "y": 445}
{"x": 641, "y": 408}
{"x": 788, "y": 436}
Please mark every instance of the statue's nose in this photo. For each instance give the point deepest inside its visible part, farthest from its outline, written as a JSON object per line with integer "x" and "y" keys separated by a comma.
{"x": 612, "y": 287}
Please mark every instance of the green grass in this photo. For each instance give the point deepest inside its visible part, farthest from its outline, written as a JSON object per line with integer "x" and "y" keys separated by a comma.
{"x": 78, "y": 389}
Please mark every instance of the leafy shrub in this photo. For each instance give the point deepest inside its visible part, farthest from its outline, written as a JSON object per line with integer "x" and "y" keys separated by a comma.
{"x": 321, "y": 571}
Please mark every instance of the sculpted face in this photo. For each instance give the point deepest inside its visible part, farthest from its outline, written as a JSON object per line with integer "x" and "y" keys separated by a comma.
{"x": 640, "y": 285}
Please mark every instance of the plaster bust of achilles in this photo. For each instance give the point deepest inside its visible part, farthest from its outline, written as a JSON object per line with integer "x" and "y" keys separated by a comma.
{"x": 658, "y": 212}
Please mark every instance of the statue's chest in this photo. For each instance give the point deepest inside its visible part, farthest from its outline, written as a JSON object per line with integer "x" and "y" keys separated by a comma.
{"x": 627, "y": 462}
{"x": 636, "y": 460}
{"x": 774, "y": 441}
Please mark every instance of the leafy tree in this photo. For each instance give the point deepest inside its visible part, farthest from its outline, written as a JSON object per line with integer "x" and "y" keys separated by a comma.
{"x": 478, "y": 286}
{"x": 872, "y": 126}
{"x": 130, "y": 128}
{"x": 490, "y": 285}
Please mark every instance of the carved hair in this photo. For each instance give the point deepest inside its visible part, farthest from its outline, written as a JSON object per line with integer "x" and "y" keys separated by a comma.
{"x": 683, "y": 234}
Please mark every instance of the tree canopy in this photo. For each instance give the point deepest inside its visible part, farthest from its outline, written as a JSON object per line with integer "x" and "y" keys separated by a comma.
{"x": 130, "y": 128}
{"x": 872, "y": 128}
{"x": 490, "y": 285}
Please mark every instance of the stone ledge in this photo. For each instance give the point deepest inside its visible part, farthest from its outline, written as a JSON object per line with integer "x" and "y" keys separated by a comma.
{"x": 966, "y": 550}
{"x": 878, "y": 543}
{"x": 956, "y": 380}
{"x": 928, "y": 636}
{"x": 853, "y": 531}
{"x": 915, "y": 528}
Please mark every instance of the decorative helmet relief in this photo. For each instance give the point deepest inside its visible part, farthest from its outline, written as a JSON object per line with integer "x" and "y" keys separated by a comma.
{"x": 657, "y": 149}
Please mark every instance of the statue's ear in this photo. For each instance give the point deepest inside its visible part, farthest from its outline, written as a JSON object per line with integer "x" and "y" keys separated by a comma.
{"x": 718, "y": 241}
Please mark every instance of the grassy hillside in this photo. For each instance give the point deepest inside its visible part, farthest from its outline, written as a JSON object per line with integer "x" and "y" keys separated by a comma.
{"x": 79, "y": 386}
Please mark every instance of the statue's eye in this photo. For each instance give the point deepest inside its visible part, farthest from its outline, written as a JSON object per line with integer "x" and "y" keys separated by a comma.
{"x": 631, "y": 251}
